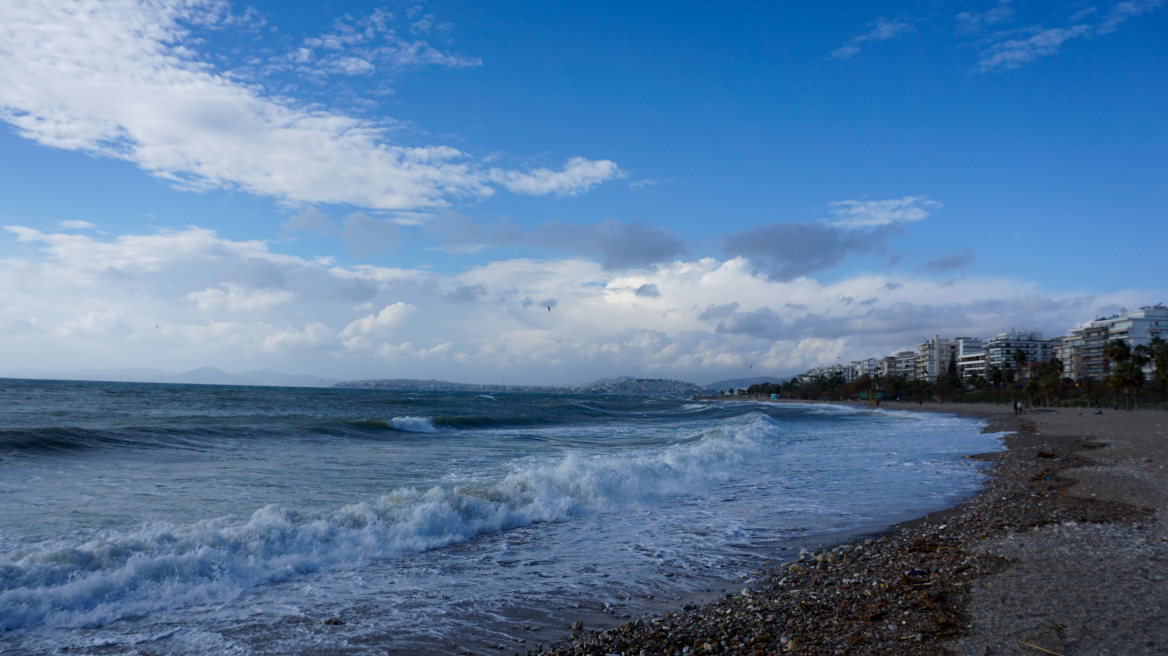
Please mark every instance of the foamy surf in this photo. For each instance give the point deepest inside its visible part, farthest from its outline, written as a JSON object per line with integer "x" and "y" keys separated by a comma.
{"x": 120, "y": 574}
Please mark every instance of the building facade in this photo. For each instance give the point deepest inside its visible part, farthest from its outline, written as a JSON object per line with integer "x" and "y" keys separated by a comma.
{"x": 1000, "y": 350}
{"x": 933, "y": 356}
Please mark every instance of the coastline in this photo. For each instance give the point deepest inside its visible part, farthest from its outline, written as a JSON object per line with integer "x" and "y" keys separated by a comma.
{"x": 1063, "y": 551}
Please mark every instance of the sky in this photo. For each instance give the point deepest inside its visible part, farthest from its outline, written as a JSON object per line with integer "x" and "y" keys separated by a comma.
{"x": 551, "y": 193}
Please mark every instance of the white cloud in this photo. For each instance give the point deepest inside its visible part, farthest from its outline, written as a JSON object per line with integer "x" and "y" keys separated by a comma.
{"x": 235, "y": 298}
{"x": 972, "y": 22}
{"x": 875, "y": 213}
{"x": 157, "y": 301}
{"x": 357, "y": 333}
{"x": 123, "y": 79}
{"x": 882, "y": 30}
{"x": 1122, "y": 11}
{"x": 76, "y": 225}
{"x": 1013, "y": 53}
{"x": 360, "y": 47}
{"x": 578, "y": 175}
{"x": 1013, "y": 49}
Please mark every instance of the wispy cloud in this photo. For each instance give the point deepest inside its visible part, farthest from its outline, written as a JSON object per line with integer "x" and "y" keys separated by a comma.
{"x": 973, "y": 22}
{"x": 360, "y": 47}
{"x": 123, "y": 79}
{"x": 1123, "y": 11}
{"x": 957, "y": 260}
{"x": 873, "y": 213}
{"x": 1013, "y": 53}
{"x": 577, "y": 176}
{"x": 615, "y": 244}
{"x": 76, "y": 225}
{"x": 1015, "y": 48}
{"x": 882, "y": 30}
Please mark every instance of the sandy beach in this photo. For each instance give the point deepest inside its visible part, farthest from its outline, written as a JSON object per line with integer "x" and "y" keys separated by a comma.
{"x": 1064, "y": 552}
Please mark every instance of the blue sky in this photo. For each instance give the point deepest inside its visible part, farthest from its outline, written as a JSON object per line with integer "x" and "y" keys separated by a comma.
{"x": 372, "y": 189}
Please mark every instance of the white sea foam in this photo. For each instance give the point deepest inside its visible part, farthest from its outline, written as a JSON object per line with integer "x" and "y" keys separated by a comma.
{"x": 120, "y": 574}
{"x": 414, "y": 424}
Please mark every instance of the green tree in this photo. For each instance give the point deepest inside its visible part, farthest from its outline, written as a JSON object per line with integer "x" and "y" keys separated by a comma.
{"x": 952, "y": 375}
{"x": 1127, "y": 373}
{"x": 996, "y": 376}
{"x": 1158, "y": 351}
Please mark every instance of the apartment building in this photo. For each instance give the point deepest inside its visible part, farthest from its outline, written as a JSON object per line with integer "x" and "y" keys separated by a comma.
{"x": 906, "y": 365}
{"x": 933, "y": 356}
{"x": 1086, "y": 345}
{"x": 1000, "y": 350}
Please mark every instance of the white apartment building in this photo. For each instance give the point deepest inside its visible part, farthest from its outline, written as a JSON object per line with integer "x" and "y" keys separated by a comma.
{"x": 906, "y": 365}
{"x": 933, "y": 356}
{"x": 1000, "y": 350}
{"x": 888, "y": 366}
{"x": 870, "y": 367}
{"x": 971, "y": 365}
{"x": 1083, "y": 350}
{"x": 970, "y": 358}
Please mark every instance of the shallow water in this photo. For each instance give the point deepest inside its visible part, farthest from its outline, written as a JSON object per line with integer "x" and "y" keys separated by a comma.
{"x": 194, "y": 519}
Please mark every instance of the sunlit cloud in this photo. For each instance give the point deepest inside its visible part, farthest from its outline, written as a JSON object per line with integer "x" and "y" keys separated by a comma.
{"x": 124, "y": 79}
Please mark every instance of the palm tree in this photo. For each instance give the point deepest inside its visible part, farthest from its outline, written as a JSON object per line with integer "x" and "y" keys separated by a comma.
{"x": 1019, "y": 359}
{"x": 1158, "y": 351}
{"x": 1128, "y": 373}
{"x": 996, "y": 376}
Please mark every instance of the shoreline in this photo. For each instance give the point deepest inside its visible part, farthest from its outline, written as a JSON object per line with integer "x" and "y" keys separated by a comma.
{"x": 1059, "y": 553}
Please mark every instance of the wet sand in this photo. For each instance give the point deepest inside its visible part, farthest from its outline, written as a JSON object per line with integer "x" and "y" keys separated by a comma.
{"x": 1064, "y": 552}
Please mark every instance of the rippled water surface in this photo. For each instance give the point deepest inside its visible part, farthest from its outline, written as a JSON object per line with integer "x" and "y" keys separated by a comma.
{"x": 189, "y": 519}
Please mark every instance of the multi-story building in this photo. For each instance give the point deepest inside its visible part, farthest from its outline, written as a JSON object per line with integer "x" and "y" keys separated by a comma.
{"x": 870, "y": 368}
{"x": 970, "y": 357}
{"x": 933, "y": 356}
{"x": 1069, "y": 350}
{"x": 971, "y": 364}
{"x": 888, "y": 366}
{"x": 906, "y": 365}
{"x": 1136, "y": 327}
{"x": 1000, "y": 350}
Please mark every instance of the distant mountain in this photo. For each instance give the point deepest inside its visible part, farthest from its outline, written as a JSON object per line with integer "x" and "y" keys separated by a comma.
{"x": 743, "y": 383}
{"x": 200, "y": 376}
{"x": 108, "y": 375}
{"x": 604, "y": 381}
{"x": 259, "y": 377}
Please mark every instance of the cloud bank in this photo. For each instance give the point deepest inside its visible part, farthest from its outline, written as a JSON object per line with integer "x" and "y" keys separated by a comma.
{"x": 185, "y": 298}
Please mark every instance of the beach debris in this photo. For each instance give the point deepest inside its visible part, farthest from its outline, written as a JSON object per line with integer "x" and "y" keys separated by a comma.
{"x": 577, "y": 625}
{"x": 1033, "y": 646}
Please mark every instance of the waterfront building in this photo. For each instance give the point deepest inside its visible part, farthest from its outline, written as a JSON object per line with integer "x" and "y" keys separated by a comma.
{"x": 906, "y": 365}
{"x": 1087, "y": 343}
{"x": 933, "y": 356}
{"x": 1000, "y": 350}
{"x": 888, "y": 366}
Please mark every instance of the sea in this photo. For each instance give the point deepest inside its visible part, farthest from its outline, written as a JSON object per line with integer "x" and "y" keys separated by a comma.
{"x": 196, "y": 519}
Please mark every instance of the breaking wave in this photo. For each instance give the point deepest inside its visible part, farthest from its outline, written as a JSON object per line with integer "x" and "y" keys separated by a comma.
{"x": 128, "y": 573}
